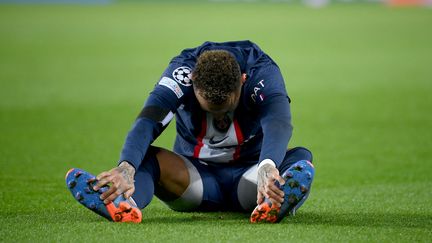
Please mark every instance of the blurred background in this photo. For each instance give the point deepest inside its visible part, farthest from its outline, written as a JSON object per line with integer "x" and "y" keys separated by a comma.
{"x": 74, "y": 75}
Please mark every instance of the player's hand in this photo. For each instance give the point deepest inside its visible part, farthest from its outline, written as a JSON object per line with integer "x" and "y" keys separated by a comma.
{"x": 121, "y": 180}
{"x": 267, "y": 176}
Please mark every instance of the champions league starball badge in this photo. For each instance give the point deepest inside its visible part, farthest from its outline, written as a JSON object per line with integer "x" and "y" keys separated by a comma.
{"x": 183, "y": 76}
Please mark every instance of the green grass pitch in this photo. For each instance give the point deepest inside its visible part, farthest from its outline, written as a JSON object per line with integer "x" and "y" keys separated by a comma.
{"x": 73, "y": 78}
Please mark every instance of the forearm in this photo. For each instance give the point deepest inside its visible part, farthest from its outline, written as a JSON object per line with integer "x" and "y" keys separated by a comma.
{"x": 153, "y": 118}
{"x": 277, "y": 130}
{"x": 275, "y": 141}
{"x": 137, "y": 142}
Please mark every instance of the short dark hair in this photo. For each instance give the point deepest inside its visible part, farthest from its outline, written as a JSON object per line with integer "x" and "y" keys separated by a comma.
{"x": 216, "y": 75}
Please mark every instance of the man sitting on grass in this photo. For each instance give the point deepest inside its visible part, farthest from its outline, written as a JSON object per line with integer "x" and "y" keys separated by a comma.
{"x": 233, "y": 125}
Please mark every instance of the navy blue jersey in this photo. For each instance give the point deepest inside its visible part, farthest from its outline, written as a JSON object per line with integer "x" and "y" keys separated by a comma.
{"x": 259, "y": 129}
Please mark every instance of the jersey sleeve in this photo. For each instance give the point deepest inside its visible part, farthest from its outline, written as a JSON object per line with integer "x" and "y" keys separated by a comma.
{"x": 159, "y": 109}
{"x": 268, "y": 95}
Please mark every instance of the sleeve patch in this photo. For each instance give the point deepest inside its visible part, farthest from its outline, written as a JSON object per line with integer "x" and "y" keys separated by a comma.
{"x": 183, "y": 76}
{"x": 172, "y": 85}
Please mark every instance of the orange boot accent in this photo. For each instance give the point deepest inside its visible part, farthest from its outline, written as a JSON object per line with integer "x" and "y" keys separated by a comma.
{"x": 265, "y": 213}
{"x": 124, "y": 213}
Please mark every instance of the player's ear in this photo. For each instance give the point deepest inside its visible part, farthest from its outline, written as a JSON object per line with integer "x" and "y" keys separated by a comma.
{"x": 243, "y": 78}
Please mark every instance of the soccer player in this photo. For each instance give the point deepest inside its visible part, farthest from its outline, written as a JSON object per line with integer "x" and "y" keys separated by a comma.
{"x": 233, "y": 125}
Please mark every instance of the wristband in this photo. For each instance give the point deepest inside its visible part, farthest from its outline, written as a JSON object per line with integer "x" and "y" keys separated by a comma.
{"x": 265, "y": 162}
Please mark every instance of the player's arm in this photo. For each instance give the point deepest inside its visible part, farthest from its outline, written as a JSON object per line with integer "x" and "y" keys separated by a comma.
{"x": 150, "y": 123}
{"x": 158, "y": 111}
{"x": 152, "y": 120}
{"x": 275, "y": 118}
{"x": 277, "y": 130}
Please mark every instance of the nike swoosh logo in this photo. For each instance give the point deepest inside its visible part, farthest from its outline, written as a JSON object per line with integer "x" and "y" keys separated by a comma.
{"x": 212, "y": 142}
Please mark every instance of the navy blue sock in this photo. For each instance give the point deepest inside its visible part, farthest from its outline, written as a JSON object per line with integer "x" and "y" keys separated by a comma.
{"x": 294, "y": 155}
{"x": 146, "y": 177}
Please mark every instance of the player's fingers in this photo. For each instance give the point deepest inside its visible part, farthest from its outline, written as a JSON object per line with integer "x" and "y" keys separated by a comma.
{"x": 279, "y": 179}
{"x": 274, "y": 192}
{"x": 260, "y": 197}
{"x": 262, "y": 190}
{"x": 102, "y": 182}
{"x": 275, "y": 202}
{"x": 275, "y": 197}
{"x": 102, "y": 175}
{"x": 113, "y": 196}
{"x": 129, "y": 192}
{"x": 118, "y": 184}
{"x": 102, "y": 179}
{"x": 276, "y": 189}
{"x": 264, "y": 193}
{"x": 122, "y": 187}
{"x": 106, "y": 194}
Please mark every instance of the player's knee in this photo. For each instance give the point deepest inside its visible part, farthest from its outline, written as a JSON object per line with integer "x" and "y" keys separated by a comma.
{"x": 192, "y": 195}
{"x": 247, "y": 189}
{"x": 174, "y": 175}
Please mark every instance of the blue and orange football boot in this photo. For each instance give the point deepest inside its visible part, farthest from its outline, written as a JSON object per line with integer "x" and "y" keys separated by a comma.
{"x": 298, "y": 180}
{"x": 80, "y": 184}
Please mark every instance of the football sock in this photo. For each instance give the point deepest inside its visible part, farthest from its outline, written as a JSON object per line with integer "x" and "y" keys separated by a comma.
{"x": 146, "y": 176}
